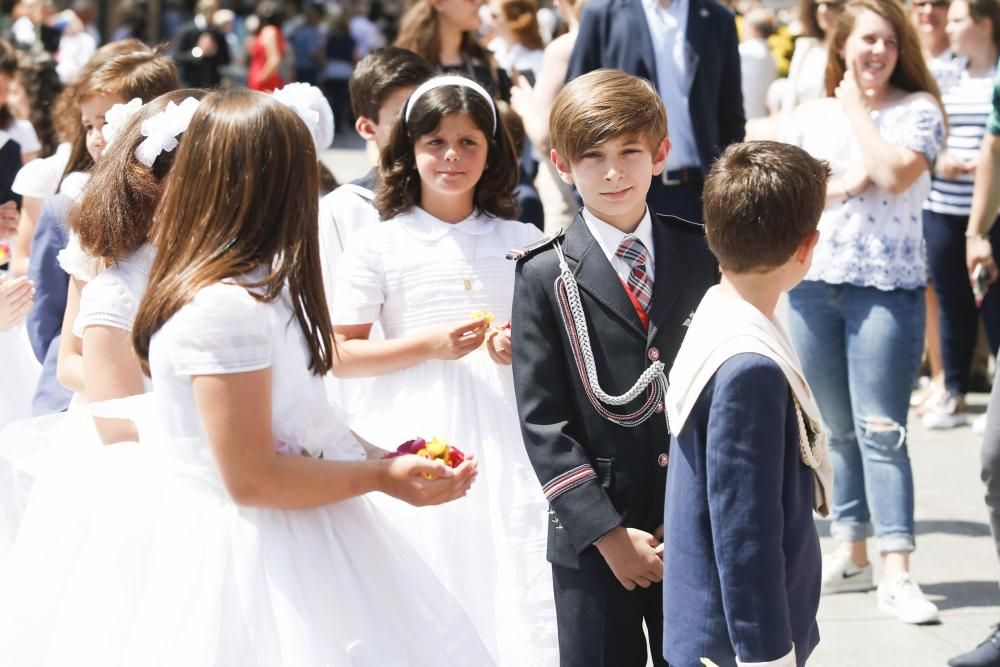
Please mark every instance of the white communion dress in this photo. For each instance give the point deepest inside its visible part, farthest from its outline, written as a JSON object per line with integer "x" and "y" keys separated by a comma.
{"x": 137, "y": 555}
{"x": 409, "y": 274}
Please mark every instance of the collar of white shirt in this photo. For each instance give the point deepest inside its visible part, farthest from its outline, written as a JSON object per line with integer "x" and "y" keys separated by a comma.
{"x": 609, "y": 238}
{"x": 677, "y": 8}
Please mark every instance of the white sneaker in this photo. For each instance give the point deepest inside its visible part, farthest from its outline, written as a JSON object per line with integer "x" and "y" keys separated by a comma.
{"x": 902, "y": 597}
{"x": 842, "y": 575}
{"x": 948, "y": 413}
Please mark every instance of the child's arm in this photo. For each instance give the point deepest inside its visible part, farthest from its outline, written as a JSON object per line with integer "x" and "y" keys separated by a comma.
{"x": 745, "y": 453}
{"x": 235, "y": 411}
{"x": 69, "y": 368}
{"x": 544, "y": 390}
{"x": 111, "y": 370}
{"x": 357, "y": 356}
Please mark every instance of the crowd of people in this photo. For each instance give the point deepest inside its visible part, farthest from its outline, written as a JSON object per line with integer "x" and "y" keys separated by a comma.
{"x": 529, "y": 377}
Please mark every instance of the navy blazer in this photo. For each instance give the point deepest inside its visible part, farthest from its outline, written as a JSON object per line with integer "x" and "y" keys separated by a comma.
{"x": 44, "y": 321}
{"x": 742, "y": 560}
{"x": 598, "y": 475}
{"x": 614, "y": 34}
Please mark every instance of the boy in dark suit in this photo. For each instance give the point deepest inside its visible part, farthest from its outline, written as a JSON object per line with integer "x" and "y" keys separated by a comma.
{"x": 598, "y": 316}
{"x": 748, "y": 459}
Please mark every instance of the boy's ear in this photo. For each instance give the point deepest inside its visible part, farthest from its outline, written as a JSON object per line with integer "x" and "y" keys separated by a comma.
{"x": 805, "y": 250}
{"x": 562, "y": 167}
{"x": 365, "y": 127}
{"x": 660, "y": 157}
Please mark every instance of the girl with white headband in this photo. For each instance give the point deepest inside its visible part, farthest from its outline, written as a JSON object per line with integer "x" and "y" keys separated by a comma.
{"x": 235, "y": 532}
{"x": 435, "y": 278}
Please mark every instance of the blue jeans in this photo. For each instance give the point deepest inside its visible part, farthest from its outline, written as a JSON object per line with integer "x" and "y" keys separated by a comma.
{"x": 860, "y": 348}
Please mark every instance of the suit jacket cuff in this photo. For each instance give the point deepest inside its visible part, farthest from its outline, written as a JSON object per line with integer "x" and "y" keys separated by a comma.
{"x": 787, "y": 660}
{"x": 586, "y": 513}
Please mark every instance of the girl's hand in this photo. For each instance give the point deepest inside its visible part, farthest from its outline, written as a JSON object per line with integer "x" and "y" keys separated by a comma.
{"x": 851, "y": 94}
{"x": 405, "y": 477}
{"x": 454, "y": 342}
{"x": 520, "y": 96}
{"x": 950, "y": 167}
{"x": 9, "y": 217}
{"x": 498, "y": 345}
{"x": 16, "y": 297}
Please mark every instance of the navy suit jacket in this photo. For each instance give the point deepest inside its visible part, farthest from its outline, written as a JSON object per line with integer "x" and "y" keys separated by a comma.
{"x": 741, "y": 565}
{"x": 619, "y": 471}
{"x": 45, "y": 319}
{"x": 614, "y": 34}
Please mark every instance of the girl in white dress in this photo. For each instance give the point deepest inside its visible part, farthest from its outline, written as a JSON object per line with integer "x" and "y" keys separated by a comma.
{"x": 448, "y": 174}
{"x": 232, "y": 534}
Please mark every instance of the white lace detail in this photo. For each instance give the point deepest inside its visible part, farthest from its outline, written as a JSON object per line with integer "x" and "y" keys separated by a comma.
{"x": 161, "y": 131}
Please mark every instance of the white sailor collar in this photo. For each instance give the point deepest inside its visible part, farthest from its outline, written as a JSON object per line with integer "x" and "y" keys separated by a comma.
{"x": 425, "y": 227}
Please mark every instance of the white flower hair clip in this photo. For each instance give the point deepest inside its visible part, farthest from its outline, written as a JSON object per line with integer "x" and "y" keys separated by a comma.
{"x": 116, "y": 118}
{"x": 312, "y": 107}
{"x": 161, "y": 131}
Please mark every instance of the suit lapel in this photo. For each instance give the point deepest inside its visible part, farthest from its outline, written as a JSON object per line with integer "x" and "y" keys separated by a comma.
{"x": 671, "y": 270}
{"x": 595, "y": 275}
{"x": 645, "y": 43}
{"x": 696, "y": 33}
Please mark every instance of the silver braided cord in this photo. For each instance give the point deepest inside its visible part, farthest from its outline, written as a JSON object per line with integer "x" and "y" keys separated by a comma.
{"x": 576, "y": 327}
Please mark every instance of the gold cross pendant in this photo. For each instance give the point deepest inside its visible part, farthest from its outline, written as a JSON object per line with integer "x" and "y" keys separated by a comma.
{"x": 468, "y": 284}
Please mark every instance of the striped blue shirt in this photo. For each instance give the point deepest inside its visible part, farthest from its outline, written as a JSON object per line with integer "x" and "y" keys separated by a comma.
{"x": 968, "y": 101}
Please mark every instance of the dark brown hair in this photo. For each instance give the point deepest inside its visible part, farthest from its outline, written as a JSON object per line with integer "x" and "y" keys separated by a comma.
{"x": 522, "y": 19}
{"x": 761, "y": 199}
{"x": 399, "y": 189}
{"x": 219, "y": 220}
{"x": 380, "y": 74}
{"x": 8, "y": 66}
{"x": 113, "y": 216}
{"x": 910, "y": 74}
{"x": 987, "y": 9}
{"x": 810, "y": 24}
{"x": 37, "y": 74}
{"x": 515, "y": 127}
{"x": 143, "y": 74}
{"x": 604, "y": 104}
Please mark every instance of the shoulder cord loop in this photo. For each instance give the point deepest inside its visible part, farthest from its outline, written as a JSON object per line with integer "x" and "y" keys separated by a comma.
{"x": 653, "y": 379}
{"x": 813, "y": 450}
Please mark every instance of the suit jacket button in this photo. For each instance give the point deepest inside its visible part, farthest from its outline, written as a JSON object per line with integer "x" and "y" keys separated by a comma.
{"x": 653, "y": 354}
{"x": 663, "y": 460}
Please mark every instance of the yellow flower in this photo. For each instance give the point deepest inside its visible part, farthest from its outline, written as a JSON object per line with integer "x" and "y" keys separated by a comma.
{"x": 483, "y": 315}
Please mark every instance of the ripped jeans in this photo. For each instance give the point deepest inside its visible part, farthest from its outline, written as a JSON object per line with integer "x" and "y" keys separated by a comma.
{"x": 860, "y": 349}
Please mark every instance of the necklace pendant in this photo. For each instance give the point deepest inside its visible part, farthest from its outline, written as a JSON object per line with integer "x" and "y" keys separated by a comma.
{"x": 467, "y": 283}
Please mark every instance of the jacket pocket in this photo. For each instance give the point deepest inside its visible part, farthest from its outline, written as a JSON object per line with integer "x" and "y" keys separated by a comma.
{"x": 604, "y": 472}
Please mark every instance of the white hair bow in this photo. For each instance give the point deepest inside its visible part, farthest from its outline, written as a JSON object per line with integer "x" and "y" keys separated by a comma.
{"x": 161, "y": 131}
{"x": 311, "y": 105}
{"x": 116, "y": 118}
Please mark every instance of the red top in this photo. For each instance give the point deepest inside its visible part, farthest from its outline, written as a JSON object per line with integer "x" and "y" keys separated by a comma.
{"x": 258, "y": 58}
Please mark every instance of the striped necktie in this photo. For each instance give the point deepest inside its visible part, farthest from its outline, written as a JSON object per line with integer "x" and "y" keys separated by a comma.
{"x": 639, "y": 281}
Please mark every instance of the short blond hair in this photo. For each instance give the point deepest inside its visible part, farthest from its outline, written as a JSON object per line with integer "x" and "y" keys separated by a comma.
{"x": 604, "y": 104}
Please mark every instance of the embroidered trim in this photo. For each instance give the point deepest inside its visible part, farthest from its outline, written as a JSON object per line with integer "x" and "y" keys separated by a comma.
{"x": 567, "y": 481}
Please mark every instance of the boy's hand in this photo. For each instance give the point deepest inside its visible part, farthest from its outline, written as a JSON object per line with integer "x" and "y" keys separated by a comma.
{"x": 452, "y": 342}
{"x": 498, "y": 345}
{"x": 632, "y": 556}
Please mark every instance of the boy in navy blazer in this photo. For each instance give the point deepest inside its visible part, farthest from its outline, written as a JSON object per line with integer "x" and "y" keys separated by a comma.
{"x": 598, "y": 316}
{"x": 747, "y": 461}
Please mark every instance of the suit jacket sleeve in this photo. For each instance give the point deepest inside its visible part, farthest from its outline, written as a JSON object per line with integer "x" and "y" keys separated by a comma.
{"x": 547, "y": 411}
{"x": 587, "y": 49}
{"x": 732, "y": 119}
{"x": 44, "y": 321}
{"x": 744, "y": 462}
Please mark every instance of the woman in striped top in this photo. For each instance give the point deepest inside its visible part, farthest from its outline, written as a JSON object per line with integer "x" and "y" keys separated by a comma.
{"x": 974, "y": 31}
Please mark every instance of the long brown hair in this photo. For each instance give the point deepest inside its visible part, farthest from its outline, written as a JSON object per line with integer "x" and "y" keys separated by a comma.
{"x": 142, "y": 74}
{"x": 419, "y": 32}
{"x": 910, "y": 74}
{"x": 240, "y": 197}
{"x": 399, "y": 189}
{"x": 113, "y": 216}
{"x": 522, "y": 19}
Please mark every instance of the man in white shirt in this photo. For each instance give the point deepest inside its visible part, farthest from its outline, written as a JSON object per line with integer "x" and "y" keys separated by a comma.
{"x": 757, "y": 65}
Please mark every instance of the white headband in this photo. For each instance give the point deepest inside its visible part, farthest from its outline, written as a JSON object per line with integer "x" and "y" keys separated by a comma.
{"x": 161, "y": 131}
{"x": 451, "y": 80}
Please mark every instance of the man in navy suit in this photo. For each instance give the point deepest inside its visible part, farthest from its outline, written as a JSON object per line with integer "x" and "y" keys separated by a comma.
{"x": 689, "y": 50}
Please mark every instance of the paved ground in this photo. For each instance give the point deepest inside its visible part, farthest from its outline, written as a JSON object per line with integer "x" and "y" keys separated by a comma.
{"x": 955, "y": 563}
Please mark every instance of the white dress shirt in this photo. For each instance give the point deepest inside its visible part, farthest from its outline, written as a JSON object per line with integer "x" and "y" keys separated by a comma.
{"x": 758, "y": 71}
{"x": 668, "y": 32}
{"x": 609, "y": 238}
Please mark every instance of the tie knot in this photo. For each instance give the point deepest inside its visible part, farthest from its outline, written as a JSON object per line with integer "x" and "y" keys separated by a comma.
{"x": 633, "y": 251}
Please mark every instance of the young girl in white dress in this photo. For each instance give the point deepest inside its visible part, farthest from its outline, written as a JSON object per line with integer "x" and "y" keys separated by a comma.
{"x": 232, "y": 533}
{"x": 448, "y": 175}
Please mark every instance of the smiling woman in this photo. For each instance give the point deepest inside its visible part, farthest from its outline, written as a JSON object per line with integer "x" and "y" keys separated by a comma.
{"x": 880, "y": 128}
